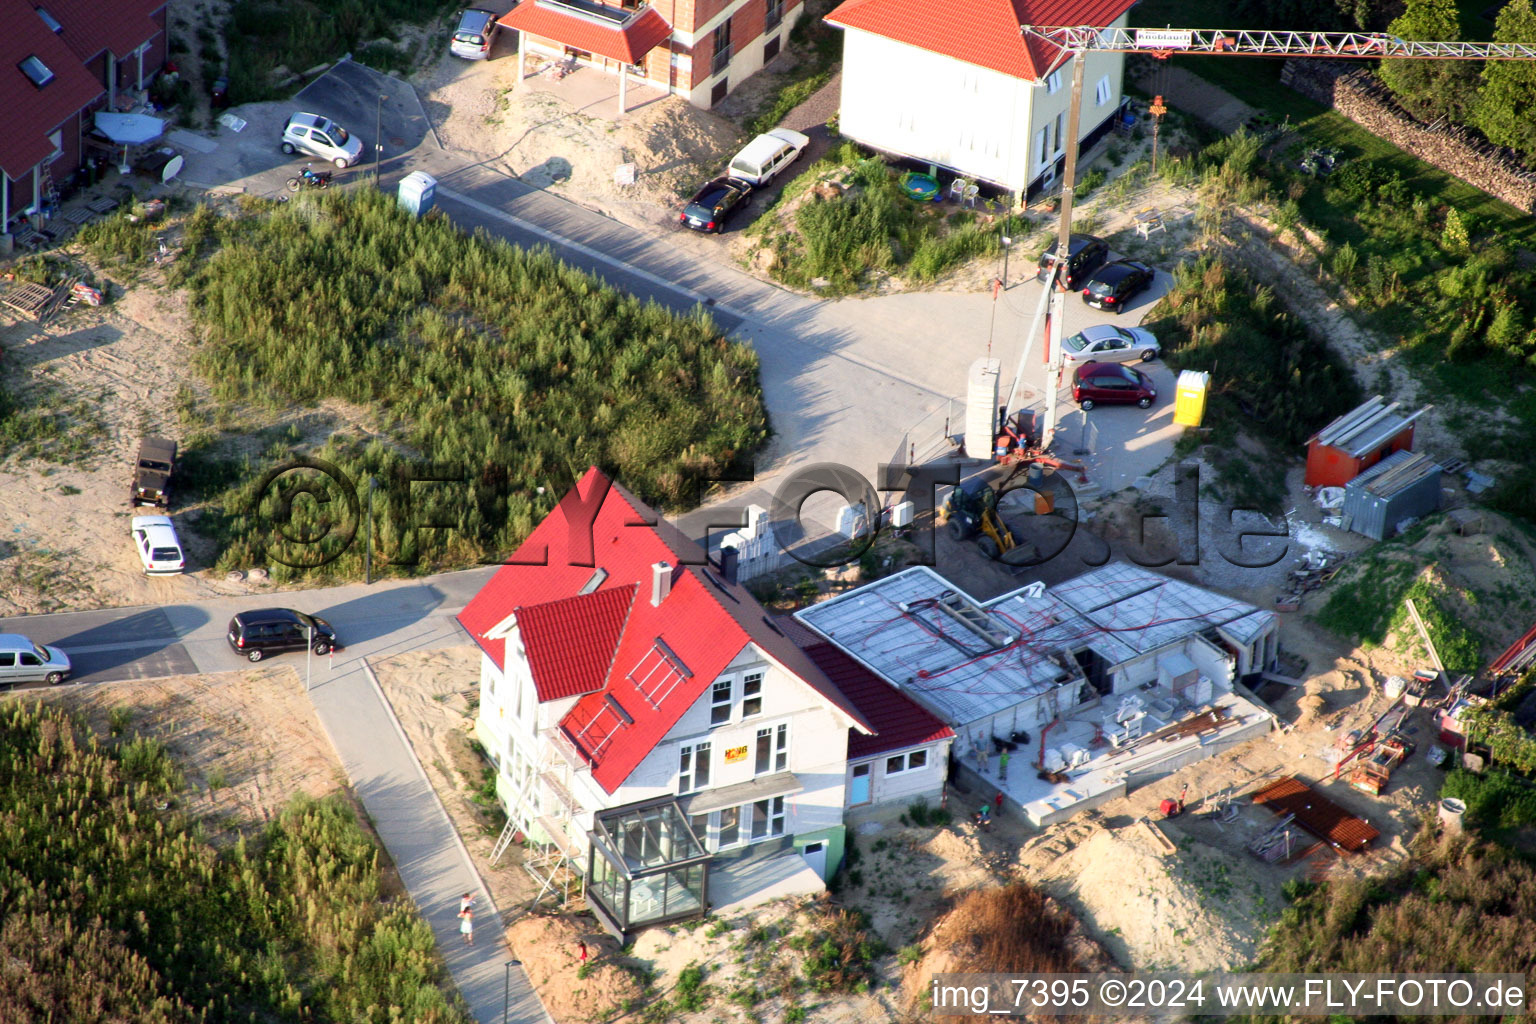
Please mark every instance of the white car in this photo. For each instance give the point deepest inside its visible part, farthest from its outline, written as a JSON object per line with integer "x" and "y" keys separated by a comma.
{"x": 321, "y": 137}
{"x": 155, "y": 540}
{"x": 765, "y": 156}
{"x": 1106, "y": 343}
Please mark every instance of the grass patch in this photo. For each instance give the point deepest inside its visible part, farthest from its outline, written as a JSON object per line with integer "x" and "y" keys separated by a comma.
{"x": 1371, "y": 604}
{"x": 127, "y": 915}
{"x": 502, "y": 367}
{"x": 840, "y": 244}
{"x": 818, "y": 47}
{"x": 1214, "y": 319}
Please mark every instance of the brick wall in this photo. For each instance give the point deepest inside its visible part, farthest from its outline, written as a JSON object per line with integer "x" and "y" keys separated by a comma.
{"x": 1357, "y": 94}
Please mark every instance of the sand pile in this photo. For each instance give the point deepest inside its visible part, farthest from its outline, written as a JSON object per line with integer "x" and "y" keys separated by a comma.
{"x": 550, "y": 950}
{"x": 1187, "y": 911}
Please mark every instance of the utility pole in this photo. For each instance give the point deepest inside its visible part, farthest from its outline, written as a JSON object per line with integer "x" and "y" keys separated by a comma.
{"x": 309, "y": 657}
{"x": 368, "y": 546}
{"x": 1007, "y": 244}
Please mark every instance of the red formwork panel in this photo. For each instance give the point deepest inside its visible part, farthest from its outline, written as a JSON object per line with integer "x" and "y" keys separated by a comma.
{"x": 1317, "y": 814}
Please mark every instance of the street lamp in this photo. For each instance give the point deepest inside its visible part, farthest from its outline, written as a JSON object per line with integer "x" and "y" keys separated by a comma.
{"x": 373, "y": 482}
{"x": 309, "y": 656}
{"x": 1007, "y": 242}
{"x": 506, "y": 987}
{"x": 378, "y": 137}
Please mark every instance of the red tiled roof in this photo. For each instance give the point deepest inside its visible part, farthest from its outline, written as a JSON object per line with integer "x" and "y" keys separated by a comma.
{"x": 32, "y": 113}
{"x": 91, "y": 26}
{"x": 981, "y": 32}
{"x": 898, "y": 720}
{"x": 570, "y": 643}
{"x": 566, "y": 25}
{"x": 698, "y": 629}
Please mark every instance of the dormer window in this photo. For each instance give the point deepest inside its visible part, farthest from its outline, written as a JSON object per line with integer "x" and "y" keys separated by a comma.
{"x": 36, "y": 71}
{"x": 50, "y": 21}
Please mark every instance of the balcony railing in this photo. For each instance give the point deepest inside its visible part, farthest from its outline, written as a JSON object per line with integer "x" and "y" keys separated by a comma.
{"x": 775, "y": 15}
{"x": 721, "y": 58}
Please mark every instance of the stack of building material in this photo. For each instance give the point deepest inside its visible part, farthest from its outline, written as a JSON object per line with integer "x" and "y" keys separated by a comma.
{"x": 1402, "y": 487}
{"x": 1317, "y": 814}
{"x": 1357, "y": 441}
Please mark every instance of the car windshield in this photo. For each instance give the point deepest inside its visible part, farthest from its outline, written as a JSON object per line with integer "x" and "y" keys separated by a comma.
{"x": 165, "y": 555}
{"x": 1074, "y": 343}
{"x": 470, "y": 37}
{"x": 1101, "y": 287}
{"x": 41, "y": 652}
{"x": 338, "y": 133}
{"x": 152, "y": 464}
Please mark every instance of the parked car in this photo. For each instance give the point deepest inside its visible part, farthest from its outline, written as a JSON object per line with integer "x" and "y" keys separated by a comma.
{"x": 475, "y": 35}
{"x": 22, "y": 661}
{"x": 1105, "y": 343}
{"x": 256, "y": 634}
{"x": 765, "y": 156}
{"x": 1115, "y": 284}
{"x": 1084, "y": 255}
{"x": 321, "y": 137}
{"x": 152, "y": 472}
{"x": 1111, "y": 383}
{"x": 154, "y": 538}
{"x": 712, "y": 205}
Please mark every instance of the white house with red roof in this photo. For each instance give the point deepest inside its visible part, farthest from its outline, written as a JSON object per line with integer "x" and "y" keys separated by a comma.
{"x": 60, "y": 61}
{"x": 958, "y": 85}
{"x": 658, "y": 735}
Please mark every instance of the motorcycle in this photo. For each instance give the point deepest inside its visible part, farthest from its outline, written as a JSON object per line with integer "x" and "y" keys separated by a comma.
{"x": 314, "y": 179}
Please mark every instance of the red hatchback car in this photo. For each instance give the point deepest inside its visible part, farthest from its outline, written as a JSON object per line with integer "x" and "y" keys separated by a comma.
{"x": 1109, "y": 383}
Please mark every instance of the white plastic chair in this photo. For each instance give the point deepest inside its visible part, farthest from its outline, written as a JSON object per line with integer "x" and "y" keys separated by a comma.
{"x": 971, "y": 192}
{"x": 957, "y": 189}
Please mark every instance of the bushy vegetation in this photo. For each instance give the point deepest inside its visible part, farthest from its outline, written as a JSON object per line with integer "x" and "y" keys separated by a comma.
{"x": 508, "y": 370}
{"x": 111, "y": 907}
{"x": 1265, "y": 365}
{"x": 872, "y": 228}
{"x": 1458, "y": 905}
{"x": 817, "y": 46}
{"x": 840, "y": 953}
{"x": 1497, "y": 799}
{"x": 264, "y": 35}
{"x": 1370, "y": 602}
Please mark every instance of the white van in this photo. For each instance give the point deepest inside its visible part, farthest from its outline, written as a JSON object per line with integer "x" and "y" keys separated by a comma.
{"x": 22, "y": 661}
{"x": 767, "y": 155}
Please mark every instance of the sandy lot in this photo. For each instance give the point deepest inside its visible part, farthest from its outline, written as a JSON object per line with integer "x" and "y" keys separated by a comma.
{"x": 247, "y": 741}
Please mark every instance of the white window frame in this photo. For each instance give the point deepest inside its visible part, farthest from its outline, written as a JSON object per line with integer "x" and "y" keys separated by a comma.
{"x": 778, "y": 749}
{"x": 757, "y": 676}
{"x": 1053, "y": 82}
{"x": 1044, "y": 138}
{"x": 718, "y": 826}
{"x": 688, "y": 780}
{"x": 1103, "y": 91}
{"x": 1057, "y": 133}
{"x": 776, "y": 817}
{"x": 57, "y": 138}
{"x": 716, "y": 704}
{"x": 906, "y": 761}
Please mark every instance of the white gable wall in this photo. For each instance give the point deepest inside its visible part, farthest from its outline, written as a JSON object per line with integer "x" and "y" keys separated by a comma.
{"x": 912, "y": 102}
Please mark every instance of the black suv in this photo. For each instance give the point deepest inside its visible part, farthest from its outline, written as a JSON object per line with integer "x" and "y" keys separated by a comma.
{"x": 265, "y": 631}
{"x": 152, "y": 473}
{"x": 713, "y": 204}
{"x": 1086, "y": 252}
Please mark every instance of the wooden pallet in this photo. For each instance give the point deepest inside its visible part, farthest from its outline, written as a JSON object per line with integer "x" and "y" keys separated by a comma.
{"x": 80, "y": 215}
{"x": 102, "y": 205}
{"x": 28, "y": 299}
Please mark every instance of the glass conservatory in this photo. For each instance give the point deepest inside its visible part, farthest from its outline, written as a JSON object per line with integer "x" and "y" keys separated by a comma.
{"x": 646, "y": 866}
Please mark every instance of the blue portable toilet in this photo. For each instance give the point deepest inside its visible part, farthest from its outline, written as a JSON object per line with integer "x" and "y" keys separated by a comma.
{"x": 416, "y": 192}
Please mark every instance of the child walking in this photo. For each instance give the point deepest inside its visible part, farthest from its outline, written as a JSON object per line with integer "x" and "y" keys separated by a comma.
{"x": 467, "y": 926}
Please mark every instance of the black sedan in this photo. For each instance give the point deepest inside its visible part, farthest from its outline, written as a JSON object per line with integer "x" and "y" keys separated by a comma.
{"x": 1113, "y": 285}
{"x": 713, "y": 204}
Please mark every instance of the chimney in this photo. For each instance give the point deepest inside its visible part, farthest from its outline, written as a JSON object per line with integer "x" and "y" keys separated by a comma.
{"x": 729, "y": 558}
{"x": 661, "y": 583}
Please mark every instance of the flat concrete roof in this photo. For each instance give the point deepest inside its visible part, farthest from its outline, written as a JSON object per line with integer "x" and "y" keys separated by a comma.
{"x": 966, "y": 660}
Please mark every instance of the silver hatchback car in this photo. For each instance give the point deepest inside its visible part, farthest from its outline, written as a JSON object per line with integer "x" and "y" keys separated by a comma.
{"x": 321, "y": 137}
{"x": 22, "y": 661}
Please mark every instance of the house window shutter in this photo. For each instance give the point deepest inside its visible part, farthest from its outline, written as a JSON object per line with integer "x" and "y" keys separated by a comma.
{"x": 1103, "y": 92}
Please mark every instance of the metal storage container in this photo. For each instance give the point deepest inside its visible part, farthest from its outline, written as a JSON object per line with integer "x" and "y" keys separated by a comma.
{"x": 1402, "y": 486}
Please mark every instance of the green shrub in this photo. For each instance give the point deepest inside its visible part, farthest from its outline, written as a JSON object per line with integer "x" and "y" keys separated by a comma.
{"x": 1497, "y": 799}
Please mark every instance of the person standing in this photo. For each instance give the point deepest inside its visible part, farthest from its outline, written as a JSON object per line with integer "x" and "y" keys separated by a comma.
{"x": 466, "y": 902}
{"x": 467, "y": 926}
{"x": 1002, "y": 766}
{"x": 997, "y": 802}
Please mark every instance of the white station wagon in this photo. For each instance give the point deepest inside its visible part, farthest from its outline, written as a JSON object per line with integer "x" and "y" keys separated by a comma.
{"x": 321, "y": 137}
{"x": 155, "y": 540}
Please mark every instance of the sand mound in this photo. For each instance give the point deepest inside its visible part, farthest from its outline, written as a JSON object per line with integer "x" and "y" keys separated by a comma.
{"x": 1186, "y": 911}
{"x": 550, "y": 951}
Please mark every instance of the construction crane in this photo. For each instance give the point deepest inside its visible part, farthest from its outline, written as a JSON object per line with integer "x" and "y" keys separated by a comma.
{"x": 1162, "y": 43}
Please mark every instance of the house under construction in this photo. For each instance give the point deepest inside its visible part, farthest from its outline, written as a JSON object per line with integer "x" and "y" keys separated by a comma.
{"x": 1103, "y": 683}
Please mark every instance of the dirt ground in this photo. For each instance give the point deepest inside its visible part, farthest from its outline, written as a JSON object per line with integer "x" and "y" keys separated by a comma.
{"x": 248, "y": 741}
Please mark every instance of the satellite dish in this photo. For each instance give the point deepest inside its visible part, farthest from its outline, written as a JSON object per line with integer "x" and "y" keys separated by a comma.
{"x": 172, "y": 168}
